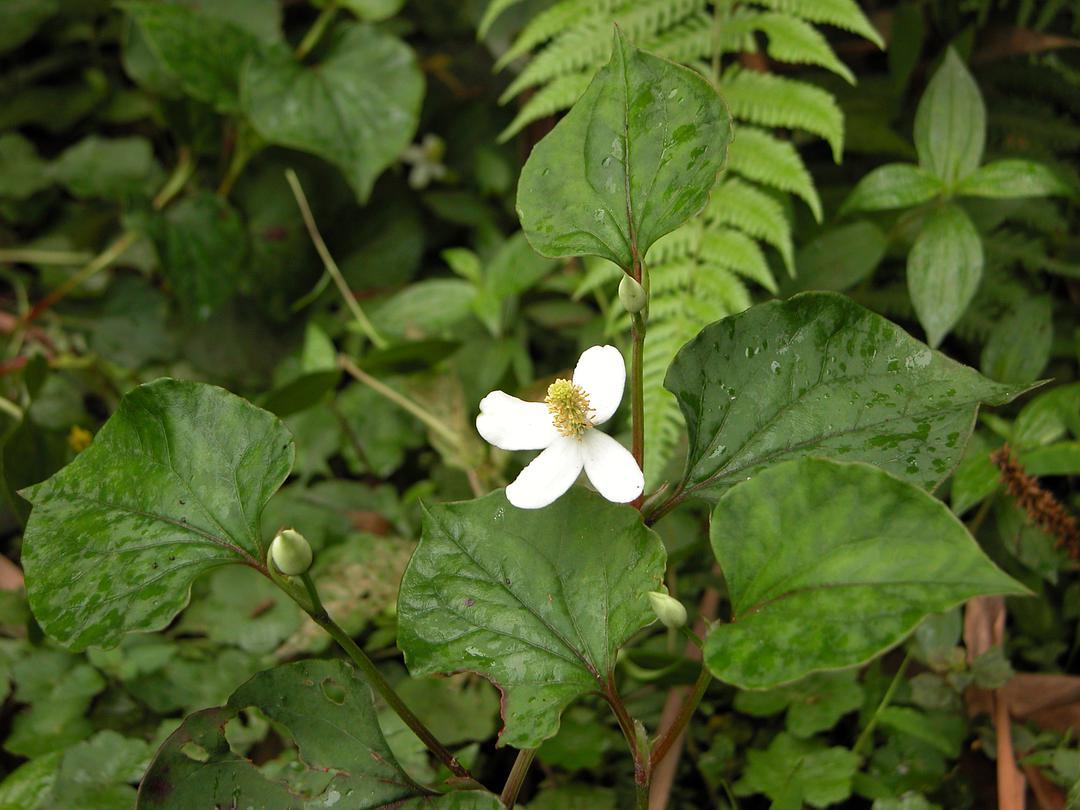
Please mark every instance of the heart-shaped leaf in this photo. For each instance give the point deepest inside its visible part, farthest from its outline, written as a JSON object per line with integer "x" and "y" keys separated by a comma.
{"x": 820, "y": 375}
{"x": 537, "y": 601}
{"x": 828, "y": 564}
{"x": 358, "y": 108}
{"x": 203, "y": 51}
{"x": 172, "y": 486}
{"x": 329, "y": 712}
{"x": 634, "y": 159}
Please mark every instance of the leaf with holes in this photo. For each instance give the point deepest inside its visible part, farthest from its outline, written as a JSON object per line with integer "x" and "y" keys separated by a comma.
{"x": 328, "y": 710}
{"x": 820, "y": 375}
{"x": 172, "y": 486}
{"x": 538, "y": 601}
{"x": 358, "y": 108}
{"x": 634, "y": 159}
{"x": 828, "y": 564}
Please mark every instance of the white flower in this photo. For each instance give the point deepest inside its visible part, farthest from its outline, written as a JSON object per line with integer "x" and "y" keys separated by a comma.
{"x": 562, "y": 426}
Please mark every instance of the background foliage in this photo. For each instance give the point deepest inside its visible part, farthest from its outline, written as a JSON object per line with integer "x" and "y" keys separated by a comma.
{"x": 147, "y": 229}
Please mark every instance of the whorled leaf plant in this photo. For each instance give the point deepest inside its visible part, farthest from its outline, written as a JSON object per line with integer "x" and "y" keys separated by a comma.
{"x": 817, "y": 428}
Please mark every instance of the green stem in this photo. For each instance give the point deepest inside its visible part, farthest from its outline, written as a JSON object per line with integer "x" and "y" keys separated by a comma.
{"x": 314, "y": 608}
{"x": 331, "y": 266}
{"x": 318, "y": 28}
{"x": 246, "y": 146}
{"x": 626, "y": 724}
{"x": 402, "y": 401}
{"x": 11, "y": 409}
{"x": 57, "y": 257}
{"x": 864, "y": 737}
{"x": 177, "y": 180}
{"x": 667, "y": 738}
{"x": 517, "y": 777}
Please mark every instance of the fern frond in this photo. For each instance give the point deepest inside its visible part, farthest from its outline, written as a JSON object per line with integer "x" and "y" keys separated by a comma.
{"x": 691, "y": 39}
{"x": 735, "y": 251}
{"x": 553, "y": 21}
{"x": 734, "y": 202}
{"x": 765, "y": 159}
{"x": 558, "y": 95}
{"x": 774, "y": 101}
{"x": 795, "y": 41}
{"x": 491, "y": 13}
{"x": 844, "y": 14}
{"x": 587, "y": 45}
{"x": 682, "y": 242}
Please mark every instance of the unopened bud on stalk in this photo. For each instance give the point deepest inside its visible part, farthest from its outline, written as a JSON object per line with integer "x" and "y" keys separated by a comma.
{"x": 633, "y": 295}
{"x": 291, "y": 552}
{"x": 668, "y": 610}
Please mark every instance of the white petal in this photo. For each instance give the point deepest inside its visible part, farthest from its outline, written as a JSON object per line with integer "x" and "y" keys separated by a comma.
{"x": 602, "y": 373}
{"x": 513, "y": 424}
{"x": 548, "y": 476}
{"x": 611, "y": 468}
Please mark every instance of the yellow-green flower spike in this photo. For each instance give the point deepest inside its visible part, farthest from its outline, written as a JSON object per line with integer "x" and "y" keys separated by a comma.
{"x": 568, "y": 405}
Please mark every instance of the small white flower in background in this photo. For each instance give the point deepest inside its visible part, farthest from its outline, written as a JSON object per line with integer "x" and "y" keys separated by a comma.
{"x": 562, "y": 426}
{"x": 426, "y": 161}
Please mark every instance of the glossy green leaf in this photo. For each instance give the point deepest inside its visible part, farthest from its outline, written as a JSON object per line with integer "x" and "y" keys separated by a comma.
{"x": 950, "y": 122}
{"x": 896, "y": 185}
{"x": 820, "y": 375}
{"x": 944, "y": 269}
{"x": 329, "y": 713}
{"x": 203, "y": 51}
{"x": 358, "y": 108}
{"x": 828, "y": 564}
{"x": 634, "y": 159}
{"x": 539, "y": 602}
{"x": 172, "y": 486}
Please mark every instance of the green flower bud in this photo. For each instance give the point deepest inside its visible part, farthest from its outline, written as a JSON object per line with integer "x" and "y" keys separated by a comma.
{"x": 291, "y": 552}
{"x": 633, "y": 295}
{"x": 668, "y": 610}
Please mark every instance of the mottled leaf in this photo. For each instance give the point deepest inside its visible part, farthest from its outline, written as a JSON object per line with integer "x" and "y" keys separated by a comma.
{"x": 820, "y": 375}
{"x": 327, "y": 709}
{"x": 633, "y": 159}
{"x": 358, "y": 108}
{"x": 828, "y": 564}
{"x": 172, "y": 486}
{"x": 539, "y": 601}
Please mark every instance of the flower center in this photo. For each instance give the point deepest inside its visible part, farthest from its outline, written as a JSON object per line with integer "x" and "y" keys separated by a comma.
{"x": 568, "y": 405}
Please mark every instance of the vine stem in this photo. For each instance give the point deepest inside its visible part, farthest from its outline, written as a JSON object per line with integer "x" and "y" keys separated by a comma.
{"x": 318, "y": 28}
{"x": 864, "y": 736}
{"x": 668, "y": 737}
{"x": 641, "y": 760}
{"x": 313, "y": 606}
{"x": 399, "y": 399}
{"x": 331, "y": 266}
{"x": 176, "y": 182}
{"x": 517, "y": 776}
